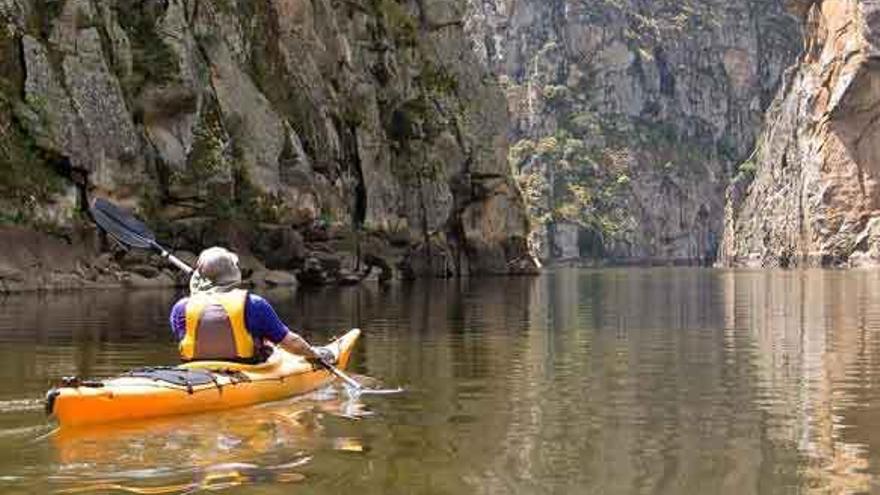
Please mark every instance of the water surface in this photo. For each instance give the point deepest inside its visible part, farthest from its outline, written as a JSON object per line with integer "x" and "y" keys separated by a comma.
{"x": 579, "y": 381}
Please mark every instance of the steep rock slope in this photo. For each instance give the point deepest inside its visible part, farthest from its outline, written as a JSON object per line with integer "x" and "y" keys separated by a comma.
{"x": 813, "y": 198}
{"x": 294, "y": 129}
{"x": 631, "y": 116}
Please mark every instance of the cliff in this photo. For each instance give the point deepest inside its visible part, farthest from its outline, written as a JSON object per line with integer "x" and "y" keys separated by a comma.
{"x": 312, "y": 134}
{"x": 811, "y": 196}
{"x": 629, "y": 117}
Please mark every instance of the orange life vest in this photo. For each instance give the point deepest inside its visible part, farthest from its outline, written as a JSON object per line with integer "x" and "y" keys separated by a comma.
{"x": 215, "y": 328}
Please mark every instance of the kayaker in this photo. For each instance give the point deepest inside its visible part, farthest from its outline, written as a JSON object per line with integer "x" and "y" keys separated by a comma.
{"x": 222, "y": 322}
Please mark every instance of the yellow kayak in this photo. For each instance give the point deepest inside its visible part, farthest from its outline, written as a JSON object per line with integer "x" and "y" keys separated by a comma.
{"x": 193, "y": 387}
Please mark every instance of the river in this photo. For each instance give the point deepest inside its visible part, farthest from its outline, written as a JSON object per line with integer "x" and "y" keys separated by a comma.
{"x": 664, "y": 380}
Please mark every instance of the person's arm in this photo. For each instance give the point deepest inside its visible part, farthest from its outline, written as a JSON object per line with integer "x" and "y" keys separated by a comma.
{"x": 295, "y": 344}
{"x": 261, "y": 317}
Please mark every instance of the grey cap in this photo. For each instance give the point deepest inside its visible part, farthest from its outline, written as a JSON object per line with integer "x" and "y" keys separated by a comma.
{"x": 219, "y": 265}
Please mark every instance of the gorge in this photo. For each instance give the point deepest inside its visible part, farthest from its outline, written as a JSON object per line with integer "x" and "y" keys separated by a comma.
{"x": 630, "y": 117}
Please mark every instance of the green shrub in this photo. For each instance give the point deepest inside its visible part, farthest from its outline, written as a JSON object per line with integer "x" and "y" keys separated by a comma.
{"x": 556, "y": 94}
{"x": 399, "y": 24}
{"x": 748, "y": 168}
{"x": 436, "y": 79}
{"x": 153, "y": 61}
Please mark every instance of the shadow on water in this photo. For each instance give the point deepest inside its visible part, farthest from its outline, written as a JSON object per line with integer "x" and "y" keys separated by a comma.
{"x": 579, "y": 381}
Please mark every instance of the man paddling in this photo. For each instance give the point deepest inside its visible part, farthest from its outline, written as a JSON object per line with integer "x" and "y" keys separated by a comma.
{"x": 221, "y": 322}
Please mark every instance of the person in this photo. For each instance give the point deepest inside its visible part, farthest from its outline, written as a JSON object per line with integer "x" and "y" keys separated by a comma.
{"x": 221, "y": 322}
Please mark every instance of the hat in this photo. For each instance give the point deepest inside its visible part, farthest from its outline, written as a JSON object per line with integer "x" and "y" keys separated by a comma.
{"x": 217, "y": 268}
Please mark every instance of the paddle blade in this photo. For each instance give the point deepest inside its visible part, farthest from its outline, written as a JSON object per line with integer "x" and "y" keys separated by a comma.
{"x": 121, "y": 225}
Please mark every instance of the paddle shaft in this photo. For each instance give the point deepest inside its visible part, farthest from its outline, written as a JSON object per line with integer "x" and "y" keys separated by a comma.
{"x": 174, "y": 260}
{"x": 342, "y": 376}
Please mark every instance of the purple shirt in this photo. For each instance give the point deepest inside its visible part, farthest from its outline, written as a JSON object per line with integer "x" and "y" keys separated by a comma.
{"x": 259, "y": 318}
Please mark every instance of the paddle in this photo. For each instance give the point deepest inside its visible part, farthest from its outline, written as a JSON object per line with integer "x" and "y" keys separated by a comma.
{"x": 130, "y": 231}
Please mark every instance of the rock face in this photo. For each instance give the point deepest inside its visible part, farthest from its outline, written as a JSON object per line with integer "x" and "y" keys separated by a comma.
{"x": 812, "y": 196}
{"x": 349, "y": 127}
{"x": 631, "y": 116}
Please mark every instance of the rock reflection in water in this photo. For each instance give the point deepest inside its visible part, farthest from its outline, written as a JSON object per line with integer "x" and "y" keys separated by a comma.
{"x": 815, "y": 336}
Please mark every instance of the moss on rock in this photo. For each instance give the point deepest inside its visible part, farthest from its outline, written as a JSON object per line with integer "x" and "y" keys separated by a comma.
{"x": 28, "y": 180}
{"x": 396, "y": 21}
{"x": 153, "y": 61}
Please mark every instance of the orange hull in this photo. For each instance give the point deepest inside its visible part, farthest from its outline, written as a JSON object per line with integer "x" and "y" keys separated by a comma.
{"x": 135, "y": 398}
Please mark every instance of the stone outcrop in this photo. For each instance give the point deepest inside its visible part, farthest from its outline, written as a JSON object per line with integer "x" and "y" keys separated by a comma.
{"x": 630, "y": 117}
{"x": 811, "y": 196}
{"x": 352, "y": 128}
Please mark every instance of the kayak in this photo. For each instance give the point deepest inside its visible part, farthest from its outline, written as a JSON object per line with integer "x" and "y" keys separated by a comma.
{"x": 192, "y": 387}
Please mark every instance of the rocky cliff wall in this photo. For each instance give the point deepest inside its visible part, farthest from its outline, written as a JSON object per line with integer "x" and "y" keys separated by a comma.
{"x": 813, "y": 197}
{"x": 304, "y": 131}
{"x": 629, "y": 117}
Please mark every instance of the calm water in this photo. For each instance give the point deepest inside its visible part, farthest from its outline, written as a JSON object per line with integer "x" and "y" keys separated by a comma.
{"x": 581, "y": 381}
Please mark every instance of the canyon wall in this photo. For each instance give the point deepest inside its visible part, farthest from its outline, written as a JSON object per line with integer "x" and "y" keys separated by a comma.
{"x": 315, "y": 135}
{"x": 630, "y": 117}
{"x": 812, "y": 196}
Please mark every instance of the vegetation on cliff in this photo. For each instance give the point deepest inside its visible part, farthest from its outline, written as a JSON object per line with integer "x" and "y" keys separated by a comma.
{"x": 28, "y": 179}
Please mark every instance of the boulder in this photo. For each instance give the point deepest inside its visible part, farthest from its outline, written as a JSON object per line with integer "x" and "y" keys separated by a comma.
{"x": 347, "y": 278}
{"x": 147, "y": 271}
{"x": 279, "y": 247}
{"x": 276, "y": 278}
{"x": 313, "y": 273}
{"x": 136, "y": 281}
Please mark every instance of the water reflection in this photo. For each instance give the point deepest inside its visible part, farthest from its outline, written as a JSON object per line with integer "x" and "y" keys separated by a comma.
{"x": 816, "y": 340}
{"x": 268, "y": 444}
{"x": 580, "y": 381}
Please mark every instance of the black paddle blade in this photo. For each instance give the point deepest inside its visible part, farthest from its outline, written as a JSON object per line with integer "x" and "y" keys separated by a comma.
{"x": 121, "y": 225}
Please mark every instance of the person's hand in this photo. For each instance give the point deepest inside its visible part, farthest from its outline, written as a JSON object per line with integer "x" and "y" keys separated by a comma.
{"x": 324, "y": 354}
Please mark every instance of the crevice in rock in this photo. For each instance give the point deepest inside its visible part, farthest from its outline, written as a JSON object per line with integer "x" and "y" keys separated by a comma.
{"x": 348, "y": 134}
{"x": 667, "y": 78}
{"x": 18, "y": 74}
{"x": 360, "y": 199}
{"x": 360, "y": 189}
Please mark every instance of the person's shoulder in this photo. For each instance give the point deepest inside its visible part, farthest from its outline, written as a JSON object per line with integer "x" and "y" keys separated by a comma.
{"x": 256, "y": 300}
{"x": 259, "y": 307}
{"x": 179, "y": 306}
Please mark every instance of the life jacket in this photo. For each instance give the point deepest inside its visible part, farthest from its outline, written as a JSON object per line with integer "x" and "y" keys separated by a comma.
{"x": 215, "y": 329}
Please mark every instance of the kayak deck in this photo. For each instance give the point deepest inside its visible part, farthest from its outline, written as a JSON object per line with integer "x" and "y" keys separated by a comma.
{"x": 202, "y": 386}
